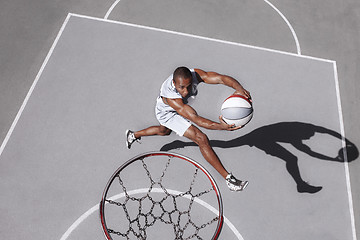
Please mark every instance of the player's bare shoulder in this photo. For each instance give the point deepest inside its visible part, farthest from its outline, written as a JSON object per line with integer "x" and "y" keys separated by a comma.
{"x": 200, "y": 74}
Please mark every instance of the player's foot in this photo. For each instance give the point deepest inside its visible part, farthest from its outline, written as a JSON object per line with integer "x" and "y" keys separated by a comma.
{"x": 235, "y": 184}
{"x": 130, "y": 138}
{"x": 307, "y": 188}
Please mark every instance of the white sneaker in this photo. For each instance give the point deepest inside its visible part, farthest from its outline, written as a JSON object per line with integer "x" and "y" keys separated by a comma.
{"x": 235, "y": 184}
{"x": 130, "y": 138}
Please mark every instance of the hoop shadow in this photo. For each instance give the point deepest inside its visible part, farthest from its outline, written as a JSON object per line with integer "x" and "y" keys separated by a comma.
{"x": 267, "y": 139}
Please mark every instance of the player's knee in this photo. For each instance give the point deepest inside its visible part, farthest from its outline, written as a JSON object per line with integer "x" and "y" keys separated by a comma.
{"x": 167, "y": 132}
{"x": 164, "y": 132}
{"x": 201, "y": 138}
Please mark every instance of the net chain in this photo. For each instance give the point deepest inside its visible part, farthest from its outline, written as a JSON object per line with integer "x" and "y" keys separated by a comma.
{"x": 167, "y": 217}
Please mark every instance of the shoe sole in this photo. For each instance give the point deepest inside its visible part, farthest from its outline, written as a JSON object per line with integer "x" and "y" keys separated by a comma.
{"x": 242, "y": 188}
{"x": 245, "y": 185}
{"x": 127, "y": 142}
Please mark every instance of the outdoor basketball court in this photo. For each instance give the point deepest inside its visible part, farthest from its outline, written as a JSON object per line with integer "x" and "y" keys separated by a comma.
{"x": 102, "y": 77}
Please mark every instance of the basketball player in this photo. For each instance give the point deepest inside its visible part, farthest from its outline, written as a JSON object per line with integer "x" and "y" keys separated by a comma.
{"x": 174, "y": 114}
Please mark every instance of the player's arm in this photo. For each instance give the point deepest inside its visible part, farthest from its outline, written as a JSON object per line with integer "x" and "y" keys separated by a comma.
{"x": 189, "y": 113}
{"x": 216, "y": 78}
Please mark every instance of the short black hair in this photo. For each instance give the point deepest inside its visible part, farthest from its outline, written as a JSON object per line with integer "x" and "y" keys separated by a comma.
{"x": 182, "y": 72}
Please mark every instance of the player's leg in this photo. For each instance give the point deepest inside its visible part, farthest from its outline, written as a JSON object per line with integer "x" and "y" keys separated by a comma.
{"x": 153, "y": 130}
{"x": 162, "y": 116}
{"x": 197, "y": 136}
{"x": 131, "y": 136}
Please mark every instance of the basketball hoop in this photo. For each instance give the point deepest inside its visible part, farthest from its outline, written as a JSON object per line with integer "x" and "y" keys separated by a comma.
{"x": 159, "y": 195}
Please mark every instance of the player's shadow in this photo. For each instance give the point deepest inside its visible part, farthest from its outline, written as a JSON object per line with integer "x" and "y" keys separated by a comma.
{"x": 267, "y": 139}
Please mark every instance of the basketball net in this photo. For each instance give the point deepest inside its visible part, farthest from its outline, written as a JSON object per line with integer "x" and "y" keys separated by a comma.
{"x": 159, "y": 195}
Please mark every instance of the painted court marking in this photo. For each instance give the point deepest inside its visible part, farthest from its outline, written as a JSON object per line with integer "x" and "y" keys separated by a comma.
{"x": 12, "y": 127}
{"x": 288, "y": 24}
{"x": 145, "y": 190}
{"x": 266, "y": 1}
{"x": 111, "y": 9}
{"x": 23, "y": 105}
{"x": 346, "y": 161}
{"x": 347, "y": 173}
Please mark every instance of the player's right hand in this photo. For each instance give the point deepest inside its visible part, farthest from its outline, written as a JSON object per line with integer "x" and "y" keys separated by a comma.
{"x": 226, "y": 126}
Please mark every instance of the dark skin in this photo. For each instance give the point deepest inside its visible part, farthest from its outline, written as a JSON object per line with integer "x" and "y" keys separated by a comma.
{"x": 193, "y": 133}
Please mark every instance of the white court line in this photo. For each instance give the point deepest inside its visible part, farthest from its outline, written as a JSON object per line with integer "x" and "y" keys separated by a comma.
{"x": 289, "y": 25}
{"x": 346, "y": 162}
{"x": 266, "y": 1}
{"x": 201, "y": 37}
{"x": 4, "y": 143}
{"x": 22, "y": 107}
{"x": 95, "y": 208}
{"x": 111, "y": 9}
{"x": 8, "y": 135}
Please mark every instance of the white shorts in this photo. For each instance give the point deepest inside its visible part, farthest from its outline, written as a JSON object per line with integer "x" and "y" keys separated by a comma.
{"x": 171, "y": 119}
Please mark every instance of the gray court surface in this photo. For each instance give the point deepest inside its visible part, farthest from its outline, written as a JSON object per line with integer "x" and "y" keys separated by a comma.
{"x": 103, "y": 77}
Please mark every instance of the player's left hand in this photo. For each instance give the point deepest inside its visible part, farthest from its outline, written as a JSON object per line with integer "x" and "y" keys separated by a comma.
{"x": 243, "y": 92}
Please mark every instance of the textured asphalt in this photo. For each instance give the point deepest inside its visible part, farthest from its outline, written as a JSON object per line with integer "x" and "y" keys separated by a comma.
{"x": 325, "y": 31}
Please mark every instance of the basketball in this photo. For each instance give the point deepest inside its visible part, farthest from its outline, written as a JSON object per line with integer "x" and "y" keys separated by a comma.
{"x": 237, "y": 110}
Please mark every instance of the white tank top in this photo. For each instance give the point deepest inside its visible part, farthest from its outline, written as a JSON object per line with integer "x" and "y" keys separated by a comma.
{"x": 168, "y": 90}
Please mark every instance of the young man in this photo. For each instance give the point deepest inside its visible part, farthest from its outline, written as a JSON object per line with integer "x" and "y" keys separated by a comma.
{"x": 174, "y": 114}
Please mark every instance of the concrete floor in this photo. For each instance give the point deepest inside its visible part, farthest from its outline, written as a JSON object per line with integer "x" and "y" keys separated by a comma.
{"x": 327, "y": 30}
